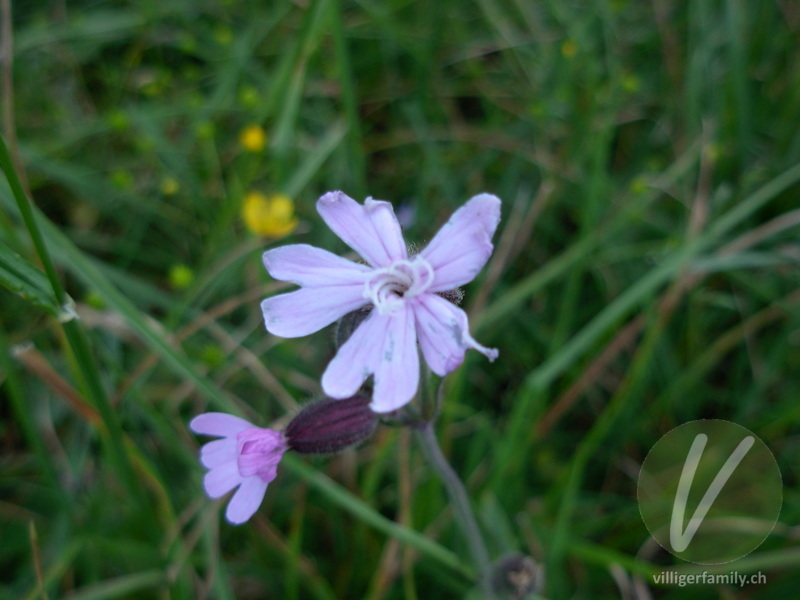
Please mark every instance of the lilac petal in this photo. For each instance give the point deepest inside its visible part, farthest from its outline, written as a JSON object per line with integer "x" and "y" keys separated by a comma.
{"x": 386, "y": 346}
{"x": 370, "y": 229}
{"x": 222, "y": 479}
{"x": 246, "y": 500}
{"x": 307, "y": 310}
{"x": 260, "y": 440}
{"x": 397, "y": 373}
{"x": 219, "y": 424}
{"x": 443, "y": 332}
{"x": 309, "y": 266}
{"x": 218, "y": 452}
{"x": 462, "y": 246}
{"x": 261, "y": 451}
{"x": 264, "y": 466}
{"x": 355, "y": 360}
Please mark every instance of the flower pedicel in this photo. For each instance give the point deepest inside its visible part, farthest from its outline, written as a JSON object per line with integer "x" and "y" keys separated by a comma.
{"x": 404, "y": 294}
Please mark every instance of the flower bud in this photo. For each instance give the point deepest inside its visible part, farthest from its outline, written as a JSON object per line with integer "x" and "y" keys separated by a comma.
{"x": 517, "y": 577}
{"x": 330, "y": 425}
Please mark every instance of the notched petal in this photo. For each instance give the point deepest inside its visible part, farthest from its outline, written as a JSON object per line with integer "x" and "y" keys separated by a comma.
{"x": 356, "y": 359}
{"x": 443, "y": 332}
{"x": 371, "y": 229}
{"x": 222, "y": 479}
{"x": 218, "y": 452}
{"x": 307, "y": 310}
{"x": 462, "y": 246}
{"x": 397, "y": 373}
{"x": 218, "y": 424}
{"x": 246, "y": 500}
{"x": 309, "y": 266}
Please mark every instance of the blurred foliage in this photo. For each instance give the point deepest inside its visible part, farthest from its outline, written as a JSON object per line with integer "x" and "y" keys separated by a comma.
{"x": 646, "y": 274}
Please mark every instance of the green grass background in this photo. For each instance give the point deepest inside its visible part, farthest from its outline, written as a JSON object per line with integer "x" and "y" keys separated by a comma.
{"x": 645, "y": 274}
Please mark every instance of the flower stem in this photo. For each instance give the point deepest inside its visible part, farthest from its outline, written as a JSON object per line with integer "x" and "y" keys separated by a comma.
{"x": 460, "y": 501}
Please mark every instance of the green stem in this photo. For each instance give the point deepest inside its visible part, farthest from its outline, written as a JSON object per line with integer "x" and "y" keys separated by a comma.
{"x": 87, "y": 371}
{"x": 14, "y": 182}
{"x": 460, "y": 501}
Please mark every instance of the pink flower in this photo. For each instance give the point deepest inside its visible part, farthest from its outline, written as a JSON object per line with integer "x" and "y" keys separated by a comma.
{"x": 404, "y": 293}
{"x": 246, "y": 457}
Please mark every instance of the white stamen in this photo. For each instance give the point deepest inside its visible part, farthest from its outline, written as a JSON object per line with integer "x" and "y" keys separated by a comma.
{"x": 389, "y": 287}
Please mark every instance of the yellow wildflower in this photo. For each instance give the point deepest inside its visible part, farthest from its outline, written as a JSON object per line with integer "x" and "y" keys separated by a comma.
{"x": 253, "y": 138}
{"x": 270, "y": 216}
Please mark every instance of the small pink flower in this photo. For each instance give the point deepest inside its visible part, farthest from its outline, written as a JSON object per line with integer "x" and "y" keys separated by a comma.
{"x": 404, "y": 293}
{"x": 246, "y": 457}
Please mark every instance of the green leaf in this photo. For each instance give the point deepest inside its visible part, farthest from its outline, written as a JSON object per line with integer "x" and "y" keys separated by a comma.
{"x": 24, "y": 279}
{"x": 121, "y": 587}
{"x": 364, "y": 512}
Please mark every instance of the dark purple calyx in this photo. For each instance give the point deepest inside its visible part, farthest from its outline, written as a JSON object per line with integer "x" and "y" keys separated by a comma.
{"x": 330, "y": 425}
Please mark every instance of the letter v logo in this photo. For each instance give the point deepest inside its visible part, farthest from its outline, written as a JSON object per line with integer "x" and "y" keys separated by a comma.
{"x": 709, "y": 491}
{"x": 678, "y": 537}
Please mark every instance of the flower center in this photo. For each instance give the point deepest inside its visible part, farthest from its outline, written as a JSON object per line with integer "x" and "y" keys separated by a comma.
{"x": 389, "y": 287}
{"x": 258, "y": 452}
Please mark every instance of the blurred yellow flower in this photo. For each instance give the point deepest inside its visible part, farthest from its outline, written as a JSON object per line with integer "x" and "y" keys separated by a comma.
{"x": 249, "y": 96}
{"x": 122, "y": 180}
{"x": 639, "y": 185}
{"x": 95, "y": 300}
{"x": 569, "y": 48}
{"x": 204, "y": 130}
{"x": 169, "y": 186}
{"x": 118, "y": 120}
{"x": 223, "y": 35}
{"x": 253, "y": 138}
{"x": 630, "y": 83}
{"x": 181, "y": 276}
{"x": 270, "y": 216}
{"x": 213, "y": 356}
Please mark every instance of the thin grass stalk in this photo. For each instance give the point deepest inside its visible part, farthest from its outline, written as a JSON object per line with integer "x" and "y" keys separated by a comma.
{"x": 88, "y": 371}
